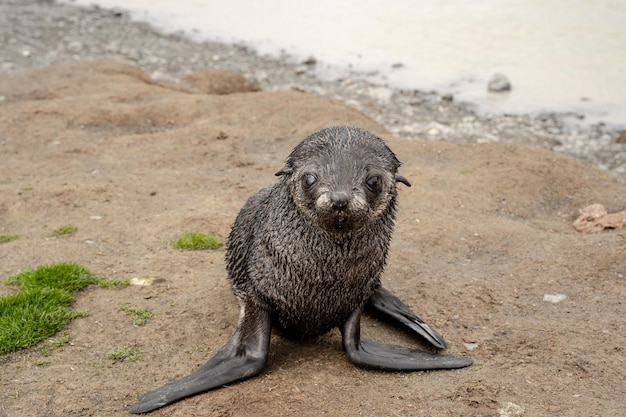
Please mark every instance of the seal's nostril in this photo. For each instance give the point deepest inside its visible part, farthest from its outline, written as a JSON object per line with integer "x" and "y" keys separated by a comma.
{"x": 340, "y": 199}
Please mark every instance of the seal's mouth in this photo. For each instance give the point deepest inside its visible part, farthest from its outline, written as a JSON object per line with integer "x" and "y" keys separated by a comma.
{"x": 342, "y": 223}
{"x": 339, "y": 223}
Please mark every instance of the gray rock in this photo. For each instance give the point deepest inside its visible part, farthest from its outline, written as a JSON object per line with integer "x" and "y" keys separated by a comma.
{"x": 499, "y": 83}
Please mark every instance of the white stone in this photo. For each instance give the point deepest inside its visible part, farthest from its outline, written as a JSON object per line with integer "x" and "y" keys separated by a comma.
{"x": 554, "y": 298}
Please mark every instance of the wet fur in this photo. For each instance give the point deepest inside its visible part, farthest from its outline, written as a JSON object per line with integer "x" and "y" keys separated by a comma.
{"x": 285, "y": 253}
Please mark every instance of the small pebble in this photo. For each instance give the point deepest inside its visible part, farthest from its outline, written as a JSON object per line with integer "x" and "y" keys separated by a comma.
{"x": 499, "y": 83}
{"x": 146, "y": 281}
{"x": 470, "y": 346}
{"x": 510, "y": 409}
{"x": 310, "y": 61}
{"x": 554, "y": 298}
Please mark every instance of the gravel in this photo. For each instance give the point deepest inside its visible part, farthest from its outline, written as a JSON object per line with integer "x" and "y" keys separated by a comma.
{"x": 37, "y": 33}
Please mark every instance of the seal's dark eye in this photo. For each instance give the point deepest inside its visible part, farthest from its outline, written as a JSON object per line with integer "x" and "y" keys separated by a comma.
{"x": 373, "y": 184}
{"x": 308, "y": 181}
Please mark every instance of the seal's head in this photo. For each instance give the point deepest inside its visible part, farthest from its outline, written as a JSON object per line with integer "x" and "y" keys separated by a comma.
{"x": 342, "y": 178}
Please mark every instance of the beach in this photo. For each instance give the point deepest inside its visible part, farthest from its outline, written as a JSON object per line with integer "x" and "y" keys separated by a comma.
{"x": 43, "y": 33}
{"x": 133, "y": 138}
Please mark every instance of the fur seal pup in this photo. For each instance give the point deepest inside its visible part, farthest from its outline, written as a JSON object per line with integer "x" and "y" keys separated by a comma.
{"x": 305, "y": 255}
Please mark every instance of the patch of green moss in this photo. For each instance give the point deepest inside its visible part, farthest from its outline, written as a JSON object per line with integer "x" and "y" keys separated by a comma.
{"x": 61, "y": 341}
{"x": 64, "y": 276}
{"x": 198, "y": 241}
{"x": 64, "y": 231}
{"x": 42, "y": 306}
{"x": 111, "y": 282}
{"x": 139, "y": 315}
{"x": 125, "y": 354}
{"x": 8, "y": 238}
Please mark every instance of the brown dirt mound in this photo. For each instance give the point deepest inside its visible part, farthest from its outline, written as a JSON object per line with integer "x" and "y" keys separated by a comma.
{"x": 484, "y": 233}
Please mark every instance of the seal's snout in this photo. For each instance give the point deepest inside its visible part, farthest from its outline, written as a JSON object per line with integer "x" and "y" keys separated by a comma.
{"x": 340, "y": 199}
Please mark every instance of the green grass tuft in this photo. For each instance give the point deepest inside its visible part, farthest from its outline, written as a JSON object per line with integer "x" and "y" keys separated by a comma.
{"x": 42, "y": 307}
{"x": 8, "y": 238}
{"x": 64, "y": 231}
{"x": 61, "y": 341}
{"x": 65, "y": 276}
{"x": 139, "y": 315}
{"x": 123, "y": 354}
{"x": 32, "y": 315}
{"x": 198, "y": 241}
{"x": 111, "y": 282}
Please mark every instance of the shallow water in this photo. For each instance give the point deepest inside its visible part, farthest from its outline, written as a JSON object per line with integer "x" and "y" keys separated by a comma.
{"x": 560, "y": 55}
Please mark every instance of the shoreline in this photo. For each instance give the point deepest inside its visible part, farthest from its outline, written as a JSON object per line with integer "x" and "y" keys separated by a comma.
{"x": 41, "y": 33}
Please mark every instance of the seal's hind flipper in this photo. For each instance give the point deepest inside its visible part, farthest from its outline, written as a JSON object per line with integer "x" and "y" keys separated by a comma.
{"x": 385, "y": 305}
{"x": 370, "y": 354}
{"x": 244, "y": 356}
{"x": 230, "y": 369}
{"x": 382, "y": 356}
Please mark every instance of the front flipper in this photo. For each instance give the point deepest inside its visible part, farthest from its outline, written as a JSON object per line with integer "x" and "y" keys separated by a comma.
{"x": 244, "y": 356}
{"x": 387, "y": 306}
{"x": 377, "y": 355}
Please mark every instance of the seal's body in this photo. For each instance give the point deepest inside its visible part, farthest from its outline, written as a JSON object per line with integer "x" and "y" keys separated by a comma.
{"x": 310, "y": 280}
{"x": 305, "y": 255}
{"x": 311, "y": 248}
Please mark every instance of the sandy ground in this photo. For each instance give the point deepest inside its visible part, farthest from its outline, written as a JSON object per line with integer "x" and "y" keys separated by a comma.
{"x": 484, "y": 233}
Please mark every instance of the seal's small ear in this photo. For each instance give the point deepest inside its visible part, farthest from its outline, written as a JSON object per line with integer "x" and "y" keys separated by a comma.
{"x": 284, "y": 171}
{"x": 403, "y": 180}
